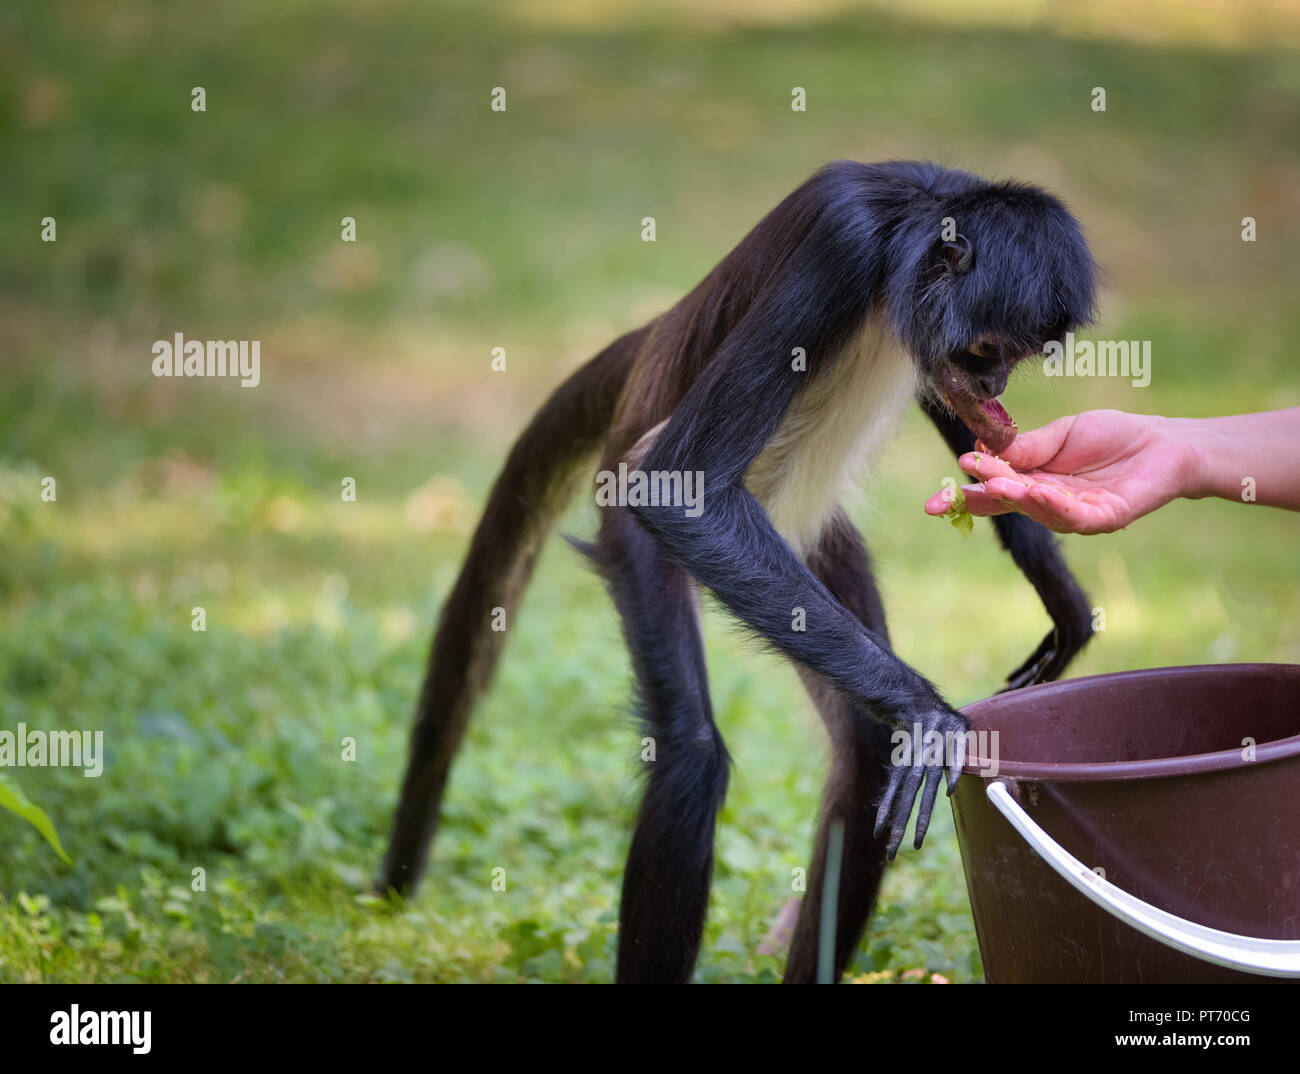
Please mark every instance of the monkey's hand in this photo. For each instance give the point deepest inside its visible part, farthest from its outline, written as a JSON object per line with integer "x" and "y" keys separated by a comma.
{"x": 937, "y": 731}
{"x": 1049, "y": 660}
{"x": 1066, "y": 603}
{"x": 1035, "y": 669}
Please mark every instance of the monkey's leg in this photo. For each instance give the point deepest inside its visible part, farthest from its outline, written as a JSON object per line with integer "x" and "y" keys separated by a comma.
{"x": 666, "y": 883}
{"x": 859, "y": 770}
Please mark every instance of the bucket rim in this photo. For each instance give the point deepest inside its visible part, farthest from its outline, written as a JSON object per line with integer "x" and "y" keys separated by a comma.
{"x": 1151, "y": 767}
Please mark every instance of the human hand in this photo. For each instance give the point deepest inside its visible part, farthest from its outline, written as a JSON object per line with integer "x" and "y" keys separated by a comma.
{"x": 1088, "y": 473}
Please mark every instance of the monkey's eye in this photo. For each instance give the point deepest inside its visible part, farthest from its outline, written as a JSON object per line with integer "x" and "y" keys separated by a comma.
{"x": 986, "y": 349}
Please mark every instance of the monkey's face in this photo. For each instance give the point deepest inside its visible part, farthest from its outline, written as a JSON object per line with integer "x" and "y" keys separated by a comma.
{"x": 1016, "y": 275}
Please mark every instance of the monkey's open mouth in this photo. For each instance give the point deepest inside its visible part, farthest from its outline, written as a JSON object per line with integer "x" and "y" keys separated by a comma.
{"x": 986, "y": 418}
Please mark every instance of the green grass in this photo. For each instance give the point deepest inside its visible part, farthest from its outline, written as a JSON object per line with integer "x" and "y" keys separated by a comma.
{"x": 519, "y": 230}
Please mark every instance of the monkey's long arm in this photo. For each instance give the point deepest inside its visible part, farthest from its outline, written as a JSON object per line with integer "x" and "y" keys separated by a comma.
{"x": 1034, "y": 550}
{"x": 733, "y": 548}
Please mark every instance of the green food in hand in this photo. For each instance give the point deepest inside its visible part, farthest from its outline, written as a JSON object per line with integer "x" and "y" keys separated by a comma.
{"x": 958, "y": 515}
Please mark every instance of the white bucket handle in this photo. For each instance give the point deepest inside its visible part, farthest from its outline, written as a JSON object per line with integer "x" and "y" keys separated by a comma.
{"x": 1273, "y": 958}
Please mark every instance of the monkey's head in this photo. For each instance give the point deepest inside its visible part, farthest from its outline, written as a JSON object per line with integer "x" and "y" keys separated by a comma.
{"x": 1003, "y": 271}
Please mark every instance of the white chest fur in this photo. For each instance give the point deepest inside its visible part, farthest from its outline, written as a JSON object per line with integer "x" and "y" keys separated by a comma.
{"x": 832, "y": 426}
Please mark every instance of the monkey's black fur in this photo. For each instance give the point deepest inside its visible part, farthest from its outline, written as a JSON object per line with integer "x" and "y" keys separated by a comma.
{"x": 705, "y": 389}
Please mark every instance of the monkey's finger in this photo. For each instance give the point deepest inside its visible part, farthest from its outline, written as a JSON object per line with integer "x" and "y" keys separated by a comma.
{"x": 1055, "y": 664}
{"x": 903, "y": 807}
{"x": 932, "y": 781}
{"x": 1037, "y": 671}
{"x": 1040, "y": 653}
{"x": 1031, "y": 676}
{"x": 891, "y": 789}
{"x": 956, "y": 763}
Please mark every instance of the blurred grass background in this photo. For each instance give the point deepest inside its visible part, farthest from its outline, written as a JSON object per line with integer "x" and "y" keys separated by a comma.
{"x": 522, "y": 230}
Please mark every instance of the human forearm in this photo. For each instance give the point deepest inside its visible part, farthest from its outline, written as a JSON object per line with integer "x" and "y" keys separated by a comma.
{"x": 1253, "y": 458}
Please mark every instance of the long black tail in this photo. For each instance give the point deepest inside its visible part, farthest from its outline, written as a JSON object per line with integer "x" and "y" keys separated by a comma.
{"x": 531, "y": 491}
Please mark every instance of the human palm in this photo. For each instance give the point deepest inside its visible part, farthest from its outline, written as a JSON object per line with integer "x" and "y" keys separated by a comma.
{"x": 1088, "y": 473}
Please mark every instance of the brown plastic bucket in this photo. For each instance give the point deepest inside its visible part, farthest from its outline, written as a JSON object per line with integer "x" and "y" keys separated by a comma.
{"x": 1181, "y": 784}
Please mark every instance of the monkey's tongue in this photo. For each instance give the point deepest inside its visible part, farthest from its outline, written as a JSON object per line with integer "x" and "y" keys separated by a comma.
{"x": 995, "y": 410}
{"x": 986, "y": 418}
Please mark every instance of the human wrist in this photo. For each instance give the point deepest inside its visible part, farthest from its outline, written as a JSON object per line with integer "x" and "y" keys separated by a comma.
{"x": 1192, "y": 440}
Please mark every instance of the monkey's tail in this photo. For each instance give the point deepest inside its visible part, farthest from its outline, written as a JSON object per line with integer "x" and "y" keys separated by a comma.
{"x": 531, "y": 491}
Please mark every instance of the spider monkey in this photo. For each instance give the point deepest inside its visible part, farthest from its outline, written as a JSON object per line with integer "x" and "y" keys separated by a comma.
{"x": 897, "y": 280}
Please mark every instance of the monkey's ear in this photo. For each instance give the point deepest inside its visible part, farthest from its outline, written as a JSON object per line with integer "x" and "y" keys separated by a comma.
{"x": 959, "y": 255}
